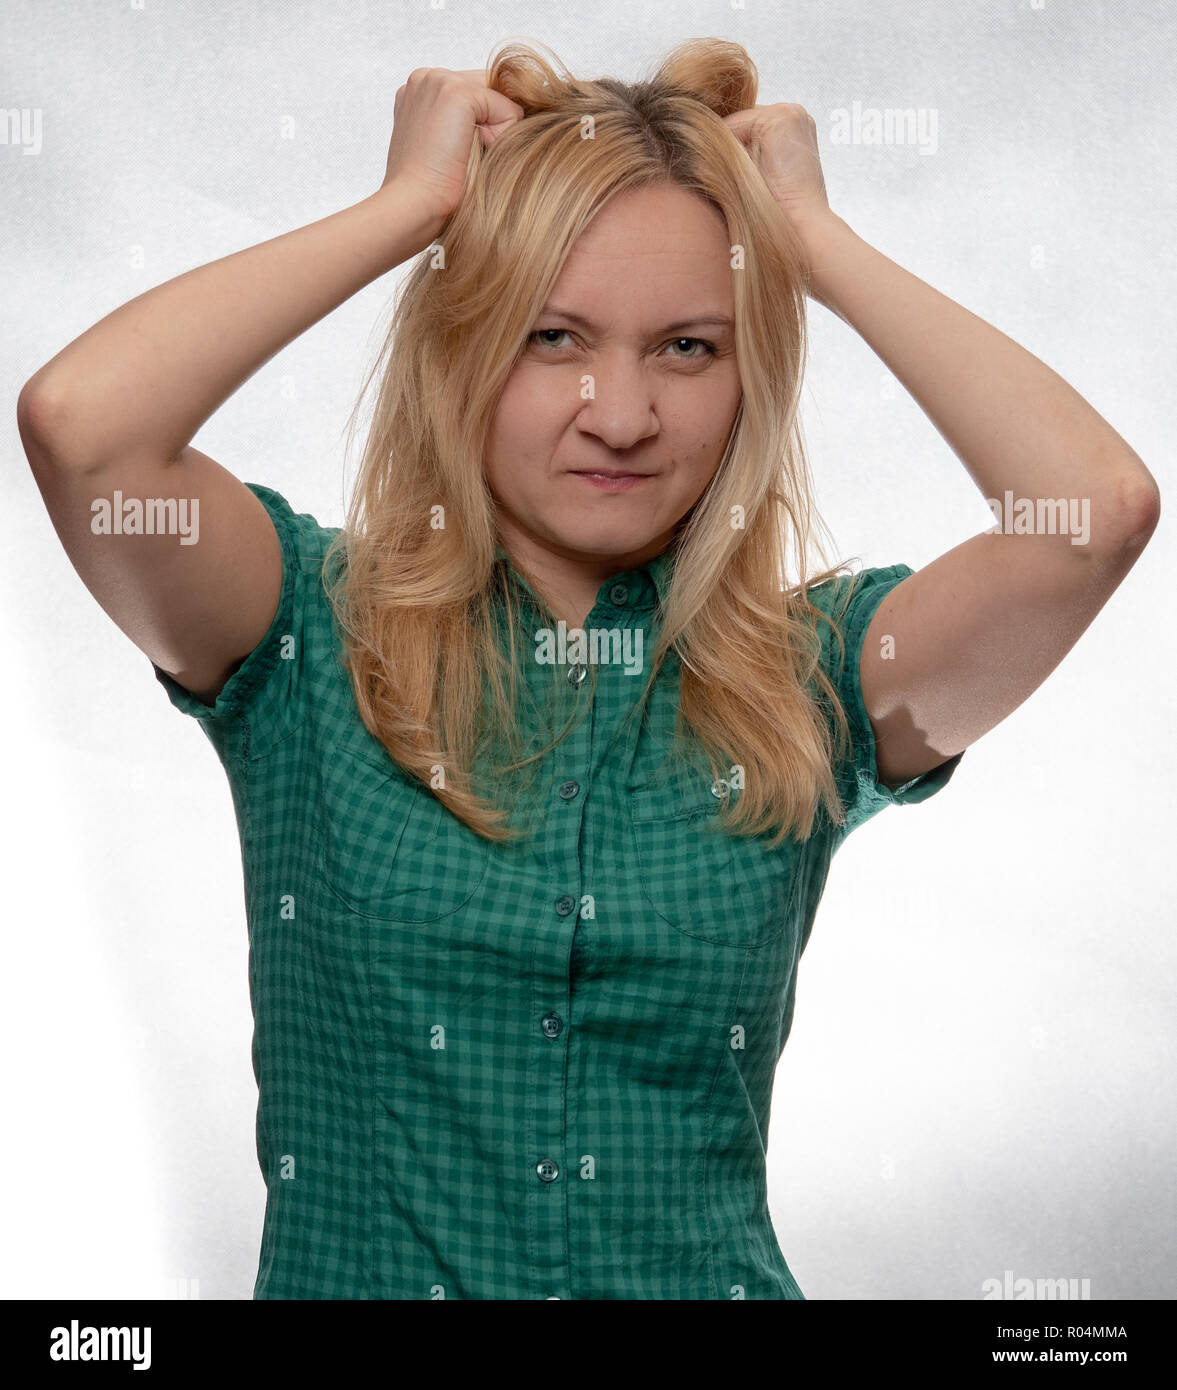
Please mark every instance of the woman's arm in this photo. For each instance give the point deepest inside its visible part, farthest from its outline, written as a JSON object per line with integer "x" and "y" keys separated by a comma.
{"x": 979, "y": 629}
{"x": 111, "y": 415}
{"x": 114, "y": 411}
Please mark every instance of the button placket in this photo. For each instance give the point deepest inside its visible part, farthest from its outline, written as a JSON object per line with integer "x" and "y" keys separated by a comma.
{"x": 560, "y": 850}
{"x": 566, "y": 837}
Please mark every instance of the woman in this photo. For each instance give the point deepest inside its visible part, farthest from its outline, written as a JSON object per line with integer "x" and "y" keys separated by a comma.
{"x": 539, "y": 762}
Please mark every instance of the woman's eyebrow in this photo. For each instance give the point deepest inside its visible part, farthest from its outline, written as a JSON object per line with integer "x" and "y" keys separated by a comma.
{"x": 695, "y": 321}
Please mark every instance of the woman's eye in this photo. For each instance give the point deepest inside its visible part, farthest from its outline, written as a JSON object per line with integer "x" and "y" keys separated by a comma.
{"x": 540, "y": 337}
{"x": 708, "y": 348}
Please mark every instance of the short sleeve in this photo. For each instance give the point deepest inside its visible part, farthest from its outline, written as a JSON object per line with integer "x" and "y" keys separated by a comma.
{"x": 852, "y": 601}
{"x": 269, "y": 686}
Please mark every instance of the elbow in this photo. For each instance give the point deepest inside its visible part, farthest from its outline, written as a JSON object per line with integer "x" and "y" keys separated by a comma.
{"x": 33, "y": 417}
{"x": 1121, "y": 516}
{"x": 41, "y": 419}
{"x": 37, "y": 407}
{"x": 1137, "y": 509}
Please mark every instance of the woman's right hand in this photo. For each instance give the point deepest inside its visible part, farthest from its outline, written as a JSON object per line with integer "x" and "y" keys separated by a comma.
{"x": 438, "y": 114}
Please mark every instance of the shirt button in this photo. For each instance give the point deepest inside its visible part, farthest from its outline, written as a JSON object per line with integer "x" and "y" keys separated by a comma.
{"x": 550, "y": 1296}
{"x": 577, "y": 673}
{"x": 547, "y": 1169}
{"x": 720, "y": 788}
{"x": 619, "y": 595}
{"x": 551, "y": 1024}
{"x": 569, "y": 789}
{"x": 565, "y": 905}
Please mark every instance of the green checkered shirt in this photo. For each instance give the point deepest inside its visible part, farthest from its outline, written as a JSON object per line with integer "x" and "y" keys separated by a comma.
{"x": 528, "y": 1071}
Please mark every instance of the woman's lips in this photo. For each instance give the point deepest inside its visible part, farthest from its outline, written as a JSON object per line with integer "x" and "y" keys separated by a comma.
{"x": 619, "y": 483}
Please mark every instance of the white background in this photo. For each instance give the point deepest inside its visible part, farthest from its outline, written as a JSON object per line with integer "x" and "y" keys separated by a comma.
{"x": 980, "y": 1076}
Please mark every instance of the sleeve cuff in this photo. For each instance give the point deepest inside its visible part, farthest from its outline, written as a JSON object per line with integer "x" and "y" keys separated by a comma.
{"x": 873, "y": 795}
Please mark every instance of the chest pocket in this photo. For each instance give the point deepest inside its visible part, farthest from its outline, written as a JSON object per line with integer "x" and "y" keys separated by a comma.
{"x": 726, "y": 889}
{"x": 387, "y": 847}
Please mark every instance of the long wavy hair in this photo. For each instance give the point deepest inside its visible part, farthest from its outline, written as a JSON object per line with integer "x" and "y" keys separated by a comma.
{"x": 420, "y": 600}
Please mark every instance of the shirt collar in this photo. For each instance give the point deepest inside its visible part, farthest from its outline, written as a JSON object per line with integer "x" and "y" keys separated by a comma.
{"x": 659, "y": 571}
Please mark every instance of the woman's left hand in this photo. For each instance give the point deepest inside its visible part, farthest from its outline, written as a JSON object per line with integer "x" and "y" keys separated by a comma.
{"x": 782, "y": 140}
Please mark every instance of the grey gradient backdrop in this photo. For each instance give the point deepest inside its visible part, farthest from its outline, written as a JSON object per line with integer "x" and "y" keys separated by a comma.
{"x": 980, "y": 1077}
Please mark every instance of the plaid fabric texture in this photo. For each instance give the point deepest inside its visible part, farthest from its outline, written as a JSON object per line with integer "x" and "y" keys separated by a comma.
{"x": 530, "y": 1071}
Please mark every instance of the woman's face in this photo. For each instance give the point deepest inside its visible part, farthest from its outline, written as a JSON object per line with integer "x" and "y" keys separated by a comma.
{"x": 628, "y": 370}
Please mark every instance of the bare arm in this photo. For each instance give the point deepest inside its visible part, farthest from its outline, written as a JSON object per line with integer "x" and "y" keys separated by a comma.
{"x": 980, "y": 628}
{"x": 115, "y": 410}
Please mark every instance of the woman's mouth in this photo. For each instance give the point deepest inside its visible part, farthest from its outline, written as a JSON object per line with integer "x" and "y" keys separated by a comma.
{"x": 614, "y": 482}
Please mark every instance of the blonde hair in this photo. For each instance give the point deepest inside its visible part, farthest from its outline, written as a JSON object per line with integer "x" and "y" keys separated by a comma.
{"x": 417, "y": 603}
